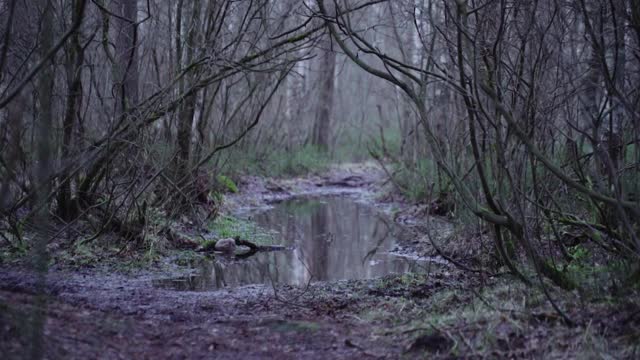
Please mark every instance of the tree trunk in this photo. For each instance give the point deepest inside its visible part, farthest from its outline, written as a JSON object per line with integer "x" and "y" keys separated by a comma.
{"x": 75, "y": 59}
{"x": 126, "y": 57}
{"x": 322, "y": 126}
{"x": 43, "y": 132}
{"x": 187, "y": 110}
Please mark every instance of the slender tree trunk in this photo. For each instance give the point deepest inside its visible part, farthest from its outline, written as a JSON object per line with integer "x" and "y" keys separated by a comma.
{"x": 187, "y": 111}
{"x": 592, "y": 84}
{"x": 14, "y": 126}
{"x": 66, "y": 210}
{"x": 126, "y": 59}
{"x": 322, "y": 126}
{"x": 44, "y": 127}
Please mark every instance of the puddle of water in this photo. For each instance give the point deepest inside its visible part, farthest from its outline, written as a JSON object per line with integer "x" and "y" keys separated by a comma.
{"x": 331, "y": 238}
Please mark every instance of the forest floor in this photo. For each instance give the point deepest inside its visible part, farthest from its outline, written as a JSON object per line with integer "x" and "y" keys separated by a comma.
{"x": 449, "y": 313}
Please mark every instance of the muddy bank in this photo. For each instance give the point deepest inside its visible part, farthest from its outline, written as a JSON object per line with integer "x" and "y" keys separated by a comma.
{"x": 444, "y": 314}
{"x": 106, "y": 313}
{"x": 113, "y": 316}
{"x": 439, "y": 312}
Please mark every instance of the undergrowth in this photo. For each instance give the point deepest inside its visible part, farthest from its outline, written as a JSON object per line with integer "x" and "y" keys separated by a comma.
{"x": 419, "y": 181}
{"x": 277, "y": 163}
{"x": 504, "y": 319}
{"x": 350, "y": 145}
{"x": 107, "y": 250}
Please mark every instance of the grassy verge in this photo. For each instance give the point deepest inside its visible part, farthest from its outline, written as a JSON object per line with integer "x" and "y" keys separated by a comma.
{"x": 230, "y": 227}
{"x": 350, "y": 145}
{"x": 501, "y": 319}
{"x": 119, "y": 254}
{"x": 277, "y": 163}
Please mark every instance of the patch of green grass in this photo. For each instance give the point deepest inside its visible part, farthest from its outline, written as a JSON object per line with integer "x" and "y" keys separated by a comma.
{"x": 305, "y": 160}
{"x": 230, "y": 227}
{"x": 111, "y": 252}
{"x": 405, "y": 280}
{"x": 227, "y": 183}
{"x": 351, "y": 145}
{"x": 9, "y": 253}
{"x": 277, "y": 163}
{"x": 500, "y": 318}
{"x": 415, "y": 181}
{"x": 81, "y": 254}
{"x": 597, "y": 274}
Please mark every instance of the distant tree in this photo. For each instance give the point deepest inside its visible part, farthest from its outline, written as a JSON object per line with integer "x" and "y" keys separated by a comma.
{"x": 324, "y": 112}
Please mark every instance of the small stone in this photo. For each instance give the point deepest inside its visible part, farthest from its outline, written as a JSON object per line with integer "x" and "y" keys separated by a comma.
{"x": 227, "y": 245}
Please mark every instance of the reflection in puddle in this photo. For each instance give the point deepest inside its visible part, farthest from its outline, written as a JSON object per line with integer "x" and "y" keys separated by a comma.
{"x": 332, "y": 238}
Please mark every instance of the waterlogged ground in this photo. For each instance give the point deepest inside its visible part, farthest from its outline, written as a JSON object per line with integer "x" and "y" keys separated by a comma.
{"x": 111, "y": 316}
{"x": 325, "y": 238}
{"x": 351, "y": 284}
{"x": 441, "y": 315}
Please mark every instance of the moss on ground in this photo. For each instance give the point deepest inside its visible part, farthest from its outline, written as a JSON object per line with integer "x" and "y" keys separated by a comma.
{"x": 230, "y": 227}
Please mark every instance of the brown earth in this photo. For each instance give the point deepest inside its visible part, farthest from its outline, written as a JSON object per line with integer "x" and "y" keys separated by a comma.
{"x": 101, "y": 313}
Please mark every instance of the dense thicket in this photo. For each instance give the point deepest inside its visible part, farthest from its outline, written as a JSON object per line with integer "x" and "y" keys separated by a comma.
{"x": 529, "y": 109}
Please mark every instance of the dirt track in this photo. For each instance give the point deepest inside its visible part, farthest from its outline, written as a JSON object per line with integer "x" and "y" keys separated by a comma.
{"x": 98, "y": 313}
{"x": 95, "y": 314}
{"x": 110, "y": 316}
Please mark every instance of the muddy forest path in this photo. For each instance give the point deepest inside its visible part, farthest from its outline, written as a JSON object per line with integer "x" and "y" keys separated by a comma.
{"x": 96, "y": 313}
{"x": 111, "y": 316}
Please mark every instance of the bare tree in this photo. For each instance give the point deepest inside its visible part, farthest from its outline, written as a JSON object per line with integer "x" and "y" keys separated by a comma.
{"x": 322, "y": 125}
{"x": 126, "y": 54}
{"x": 507, "y": 122}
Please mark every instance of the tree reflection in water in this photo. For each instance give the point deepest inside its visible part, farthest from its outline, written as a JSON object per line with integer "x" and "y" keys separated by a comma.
{"x": 331, "y": 238}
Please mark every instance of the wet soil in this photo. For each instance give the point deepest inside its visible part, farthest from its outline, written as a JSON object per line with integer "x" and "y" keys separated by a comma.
{"x": 441, "y": 312}
{"x": 111, "y": 316}
{"x": 96, "y": 313}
